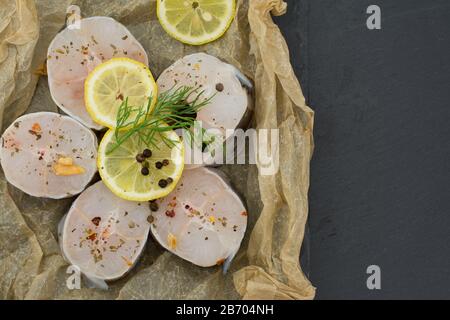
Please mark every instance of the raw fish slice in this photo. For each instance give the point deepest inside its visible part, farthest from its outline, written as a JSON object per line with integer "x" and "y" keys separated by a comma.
{"x": 74, "y": 53}
{"x": 104, "y": 235}
{"x": 202, "y": 220}
{"x": 35, "y": 143}
{"x": 232, "y": 104}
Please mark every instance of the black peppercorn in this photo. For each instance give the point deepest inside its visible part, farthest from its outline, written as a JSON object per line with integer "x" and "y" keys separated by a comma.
{"x": 145, "y": 171}
{"x": 140, "y": 158}
{"x": 169, "y": 180}
{"x": 162, "y": 183}
{"x": 158, "y": 165}
{"x": 147, "y": 153}
{"x": 165, "y": 162}
{"x": 220, "y": 87}
{"x": 154, "y": 206}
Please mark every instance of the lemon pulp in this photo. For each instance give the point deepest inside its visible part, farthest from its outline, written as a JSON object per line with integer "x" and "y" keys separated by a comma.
{"x": 122, "y": 173}
{"x": 114, "y": 81}
{"x": 196, "y": 22}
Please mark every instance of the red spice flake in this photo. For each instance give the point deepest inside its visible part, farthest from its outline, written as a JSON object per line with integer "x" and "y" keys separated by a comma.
{"x": 220, "y": 262}
{"x": 36, "y": 127}
{"x": 91, "y": 236}
{"x": 96, "y": 221}
{"x": 244, "y": 213}
{"x": 170, "y": 213}
{"x": 36, "y": 131}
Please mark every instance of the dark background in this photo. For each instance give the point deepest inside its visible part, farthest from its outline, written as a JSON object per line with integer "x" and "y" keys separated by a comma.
{"x": 380, "y": 173}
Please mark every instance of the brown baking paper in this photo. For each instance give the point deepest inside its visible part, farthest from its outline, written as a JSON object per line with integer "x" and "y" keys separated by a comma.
{"x": 267, "y": 265}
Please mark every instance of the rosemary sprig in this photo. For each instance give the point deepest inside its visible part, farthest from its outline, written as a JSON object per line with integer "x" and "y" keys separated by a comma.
{"x": 174, "y": 109}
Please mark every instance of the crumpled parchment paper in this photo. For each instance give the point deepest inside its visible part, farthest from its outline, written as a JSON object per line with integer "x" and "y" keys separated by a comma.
{"x": 267, "y": 266}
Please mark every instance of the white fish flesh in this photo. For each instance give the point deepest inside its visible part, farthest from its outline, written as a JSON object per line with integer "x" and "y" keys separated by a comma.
{"x": 104, "y": 235}
{"x": 231, "y": 106}
{"x": 74, "y": 53}
{"x": 202, "y": 221}
{"x": 45, "y": 154}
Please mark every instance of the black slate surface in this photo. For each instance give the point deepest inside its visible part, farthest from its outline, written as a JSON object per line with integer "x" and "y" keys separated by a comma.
{"x": 380, "y": 175}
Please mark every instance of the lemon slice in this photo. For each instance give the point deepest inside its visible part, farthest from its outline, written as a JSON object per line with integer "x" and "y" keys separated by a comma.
{"x": 122, "y": 166}
{"x": 110, "y": 83}
{"x": 196, "y": 22}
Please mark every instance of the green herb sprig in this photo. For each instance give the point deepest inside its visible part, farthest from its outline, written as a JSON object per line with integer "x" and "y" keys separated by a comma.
{"x": 174, "y": 109}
